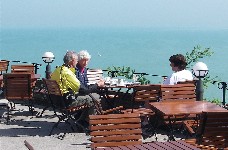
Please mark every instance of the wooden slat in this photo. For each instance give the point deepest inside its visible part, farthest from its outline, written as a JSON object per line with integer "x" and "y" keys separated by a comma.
{"x": 18, "y": 86}
{"x": 94, "y": 75}
{"x": 213, "y": 130}
{"x": 115, "y": 130}
{"x": 178, "y": 91}
{"x": 23, "y": 68}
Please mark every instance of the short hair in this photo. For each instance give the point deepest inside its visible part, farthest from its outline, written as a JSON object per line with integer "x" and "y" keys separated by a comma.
{"x": 83, "y": 54}
{"x": 179, "y": 61}
{"x": 70, "y": 55}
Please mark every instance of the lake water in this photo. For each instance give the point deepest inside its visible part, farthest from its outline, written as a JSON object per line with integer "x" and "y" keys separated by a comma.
{"x": 143, "y": 49}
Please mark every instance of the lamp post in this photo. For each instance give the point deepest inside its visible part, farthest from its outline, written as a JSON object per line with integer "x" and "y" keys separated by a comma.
{"x": 199, "y": 70}
{"x": 48, "y": 57}
{"x": 223, "y": 86}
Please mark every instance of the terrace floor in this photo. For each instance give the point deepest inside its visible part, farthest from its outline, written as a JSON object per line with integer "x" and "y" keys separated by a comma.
{"x": 23, "y": 126}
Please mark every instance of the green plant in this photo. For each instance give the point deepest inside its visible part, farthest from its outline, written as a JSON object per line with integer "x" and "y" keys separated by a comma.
{"x": 216, "y": 101}
{"x": 194, "y": 56}
{"x": 126, "y": 72}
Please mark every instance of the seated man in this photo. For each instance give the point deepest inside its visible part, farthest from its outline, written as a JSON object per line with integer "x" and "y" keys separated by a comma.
{"x": 69, "y": 84}
{"x": 178, "y": 64}
{"x": 81, "y": 73}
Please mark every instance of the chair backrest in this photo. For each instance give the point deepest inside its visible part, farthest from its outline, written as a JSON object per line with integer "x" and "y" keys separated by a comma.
{"x": 54, "y": 94}
{"x": 17, "y": 86}
{"x": 148, "y": 92}
{"x": 29, "y": 68}
{"x": 94, "y": 75}
{"x": 4, "y": 64}
{"x": 115, "y": 130}
{"x": 178, "y": 92}
{"x": 213, "y": 129}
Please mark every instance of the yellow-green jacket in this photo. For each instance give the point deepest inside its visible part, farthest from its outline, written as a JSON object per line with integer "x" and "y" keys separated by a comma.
{"x": 66, "y": 79}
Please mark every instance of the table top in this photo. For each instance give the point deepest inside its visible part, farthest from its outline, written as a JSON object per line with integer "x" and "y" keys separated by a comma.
{"x": 180, "y": 145}
{"x": 33, "y": 76}
{"x": 185, "y": 107}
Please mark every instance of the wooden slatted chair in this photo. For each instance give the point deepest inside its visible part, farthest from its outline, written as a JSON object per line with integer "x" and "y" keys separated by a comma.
{"x": 141, "y": 97}
{"x": 143, "y": 94}
{"x": 4, "y": 64}
{"x": 94, "y": 75}
{"x": 212, "y": 132}
{"x": 61, "y": 110}
{"x": 22, "y": 68}
{"x": 115, "y": 130}
{"x": 18, "y": 87}
{"x": 100, "y": 111}
{"x": 178, "y": 93}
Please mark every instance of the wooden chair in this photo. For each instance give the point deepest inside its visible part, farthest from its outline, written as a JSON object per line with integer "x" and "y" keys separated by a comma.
{"x": 61, "y": 110}
{"x": 178, "y": 93}
{"x": 94, "y": 75}
{"x": 212, "y": 132}
{"x": 18, "y": 87}
{"x": 29, "y": 68}
{"x": 142, "y": 95}
{"x": 115, "y": 130}
{"x": 100, "y": 111}
{"x": 4, "y": 64}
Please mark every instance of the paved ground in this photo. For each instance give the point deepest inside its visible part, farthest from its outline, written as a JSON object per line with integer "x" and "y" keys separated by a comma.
{"x": 23, "y": 126}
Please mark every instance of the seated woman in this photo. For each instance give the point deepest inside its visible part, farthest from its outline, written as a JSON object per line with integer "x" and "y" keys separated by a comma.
{"x": 178, "y": 64}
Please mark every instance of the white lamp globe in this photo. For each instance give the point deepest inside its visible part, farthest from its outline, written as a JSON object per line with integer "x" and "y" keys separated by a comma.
{"x": 200, "y": 69}
{"x": 48, "y": 57}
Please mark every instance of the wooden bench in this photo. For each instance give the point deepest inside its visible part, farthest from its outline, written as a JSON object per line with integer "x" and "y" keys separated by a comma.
{"x": 115, "y": 130}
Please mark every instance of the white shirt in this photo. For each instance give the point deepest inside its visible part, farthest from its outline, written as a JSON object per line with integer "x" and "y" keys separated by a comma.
{"x": 180, "y": 76}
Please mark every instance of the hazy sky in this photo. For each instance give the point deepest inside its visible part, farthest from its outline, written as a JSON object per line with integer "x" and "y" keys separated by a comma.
{"x": 120, "y": 13}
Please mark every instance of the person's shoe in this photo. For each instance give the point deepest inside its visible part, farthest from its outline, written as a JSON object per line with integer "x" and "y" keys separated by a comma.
{"x": 77, "y": 115}
{"x": 84, "y": 124}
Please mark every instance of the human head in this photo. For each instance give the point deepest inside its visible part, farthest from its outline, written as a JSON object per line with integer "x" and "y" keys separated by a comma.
{"x": 178, "y": 62}
{"x": 83, "y": 58}
{"x": 70, "y": 59}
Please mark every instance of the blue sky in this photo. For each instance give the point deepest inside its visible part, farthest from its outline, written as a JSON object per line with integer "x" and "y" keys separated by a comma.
{"x": 114, "y": 13}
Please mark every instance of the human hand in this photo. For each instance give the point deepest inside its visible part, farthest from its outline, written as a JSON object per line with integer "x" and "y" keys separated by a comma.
{"x": 101, "y": 83}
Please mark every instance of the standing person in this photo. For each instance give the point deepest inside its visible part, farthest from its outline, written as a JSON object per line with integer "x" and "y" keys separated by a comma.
{"x": 69, "y": 84}
{"x": 178, "y": 64}
{"x": 81, "y": 73}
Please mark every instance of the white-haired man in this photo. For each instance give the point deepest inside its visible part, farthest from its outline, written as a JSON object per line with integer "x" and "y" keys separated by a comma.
{"x": 81, "y": 73}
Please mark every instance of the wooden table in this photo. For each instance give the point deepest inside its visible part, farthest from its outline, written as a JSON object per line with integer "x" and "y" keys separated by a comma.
{"x": 33, "y": 76}
{"x": 113, "y": 93}
{"x": 177, "y": 145}
{"x": 185, "y": 107}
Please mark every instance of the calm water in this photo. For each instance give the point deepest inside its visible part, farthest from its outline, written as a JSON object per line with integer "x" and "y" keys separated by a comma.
{"x": 145, "y": 50}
